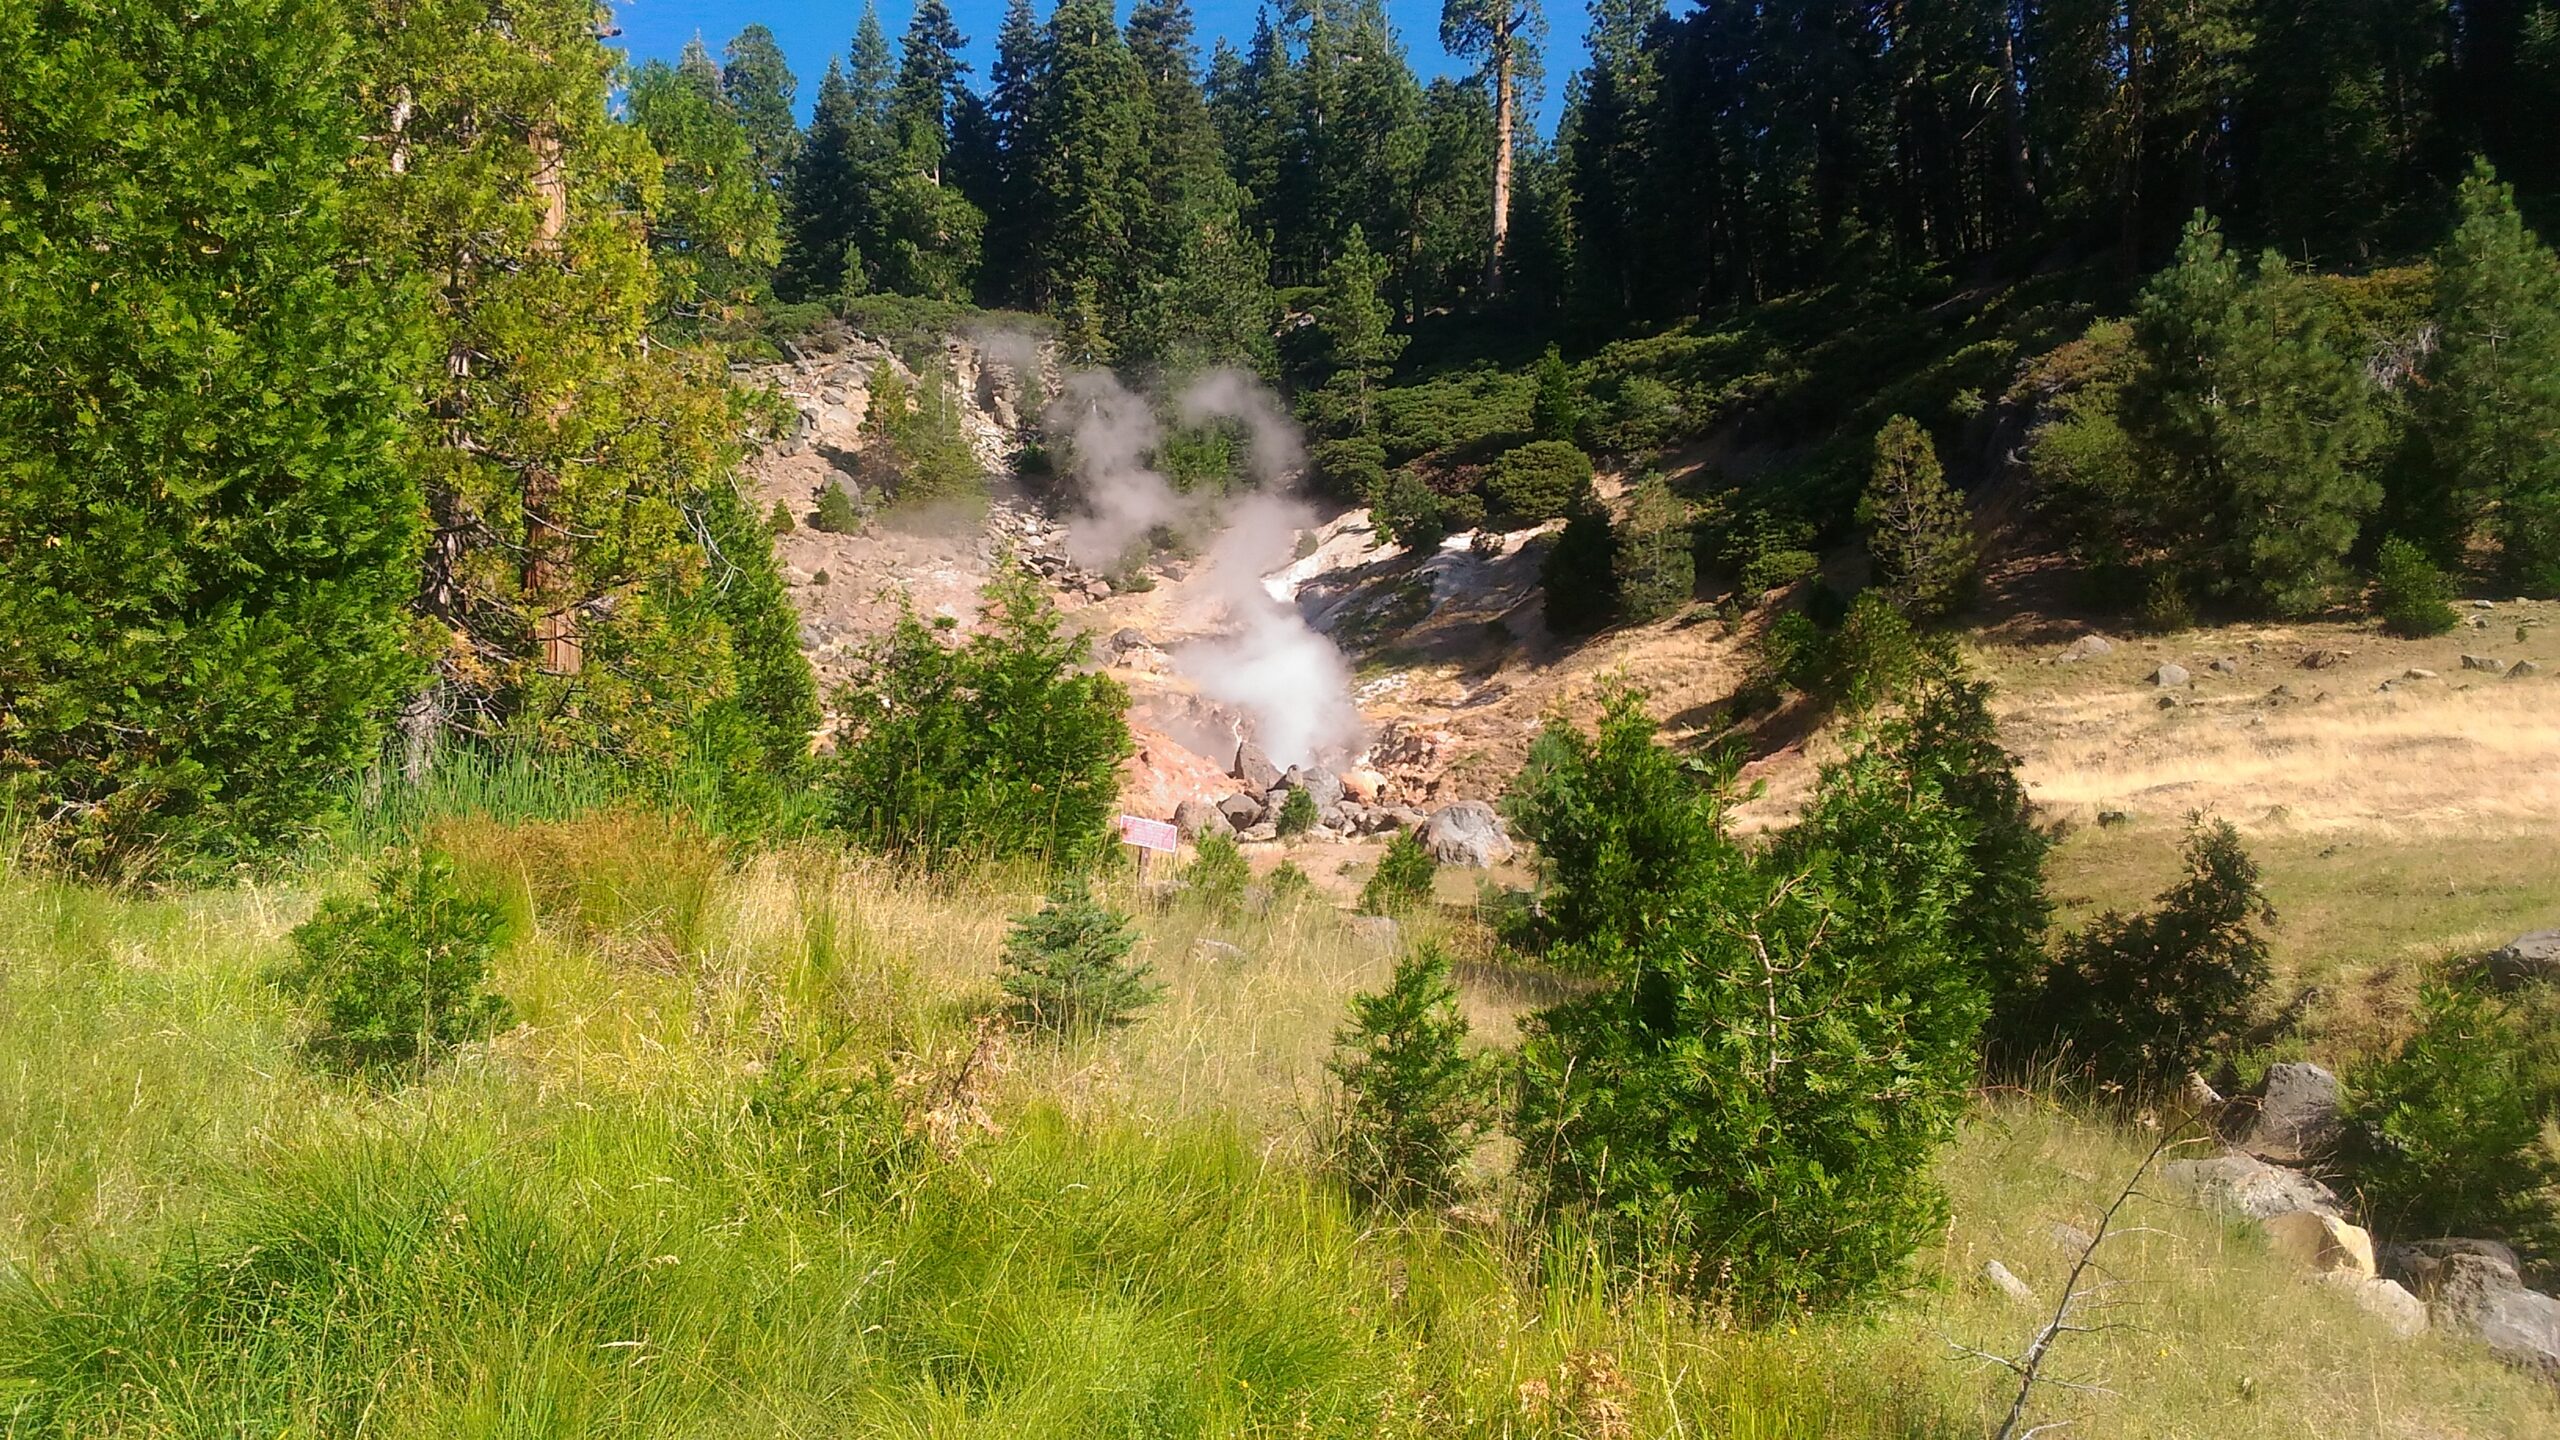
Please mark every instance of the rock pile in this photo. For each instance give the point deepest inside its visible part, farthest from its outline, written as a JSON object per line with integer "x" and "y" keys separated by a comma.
{"x": 1463, "y": 832}
{"x": 2460, "y": 1286}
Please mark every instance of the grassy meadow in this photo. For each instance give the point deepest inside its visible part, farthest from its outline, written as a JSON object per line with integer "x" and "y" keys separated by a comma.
{"x": 755, "y": 1159}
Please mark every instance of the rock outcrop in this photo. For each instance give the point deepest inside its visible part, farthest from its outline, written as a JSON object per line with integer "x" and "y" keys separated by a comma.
{"x": 1466, "y": 832}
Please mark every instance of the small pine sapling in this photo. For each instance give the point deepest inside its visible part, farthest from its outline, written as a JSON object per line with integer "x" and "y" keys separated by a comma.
{"x": 2143, "y": 999}
{"x": 779, "y": 522}
{"x": 398, "y": 979}
{"x": 1555, "y": 409}
{"x": 1298, "y": 813}
{"x": 2409, "y": 592}
{"x": 1068, "y": 968}
{"x": 1218, "y": 873}
{"x": 1920, "y": 536}
{"x": 1402, "y": 882}
{"x": 1413, "y": 1099}
{"x": 2448, "y": 1132}
{"x": 835, "y": 514}
{"x": 1288, "y": 884}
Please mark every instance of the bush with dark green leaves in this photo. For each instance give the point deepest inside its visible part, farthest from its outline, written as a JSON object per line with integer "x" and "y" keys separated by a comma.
{"x": 997, "y": 746}
{"x": 1402, "y": 881}
{"x": 2446, "y": 1135}
{"x": 1408, "y": 512}
{"x": 1067, "y": 966}
{"x": 1579, "y": 577}
{"x": 2410, "y": 594}
{"x": 208, "y": 530}
{"x": 1298, "y": 813}
{"x": 1217, "y": 874}
{"x": 397, "y": 979}
{"x": 1750, "y": 1100}
{"x": 2141, "y": 1000}
{"x": 835, "y": 514}
{"x": 1413, "y": 1099}
{"x": 1350, "y": 465}
{"x": 779, "y": 521}
{"x": 1539, "y": 481}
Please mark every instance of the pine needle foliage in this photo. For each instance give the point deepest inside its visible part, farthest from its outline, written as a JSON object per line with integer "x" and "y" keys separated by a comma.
{"x": 1217, "y": 875}
{"x": 1067, "y": 965}
{"x": 2143, "y": 999}
{"x": 396, "y": 980}
{"x": 1298, "y": 812}
{"x": 1919, "y": 534}
{"x": 2410, "y": 594}
{"x": 2447, "y": 1133}
{"x": 1413, "y": 1099}
{"x": 1402, "y": 881}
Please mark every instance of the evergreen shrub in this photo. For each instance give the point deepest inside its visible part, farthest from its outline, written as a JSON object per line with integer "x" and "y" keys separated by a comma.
{"x": 397, "y": 979}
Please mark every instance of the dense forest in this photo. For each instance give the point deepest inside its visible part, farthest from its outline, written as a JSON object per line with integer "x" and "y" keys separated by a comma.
{"x": 363, "y": 363}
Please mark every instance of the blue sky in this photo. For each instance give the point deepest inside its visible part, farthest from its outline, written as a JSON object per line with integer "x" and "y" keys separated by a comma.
{"x": 810, "y": 32}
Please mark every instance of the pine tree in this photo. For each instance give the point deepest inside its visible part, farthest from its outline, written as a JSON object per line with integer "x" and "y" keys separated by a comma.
{"x": 1068, "y": 965}
{"x": 2487, "y": 418}
{"x": 821, "y": 199}
{"x": 2255, "y": 422}
{"x": 1655, "y": 568}
{"x": 1085, "y": 148}
{"x": 760, "y": 87}
{"x": 209, "y": 522}
{"x": 1008, "y": 191}
{"x": 1413, "y": 1099}
{"x": 1920, "y": 537}
{"x": 930, "y": 84}
{"x": 1355, "y": 321}
{"x": 1555, "y": 410}
{"x": 1502, "y": 36}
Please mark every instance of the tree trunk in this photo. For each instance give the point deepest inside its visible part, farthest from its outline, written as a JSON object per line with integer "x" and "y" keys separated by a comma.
{"x": 1503, "y": 101}
{"x": 555, "y": 629}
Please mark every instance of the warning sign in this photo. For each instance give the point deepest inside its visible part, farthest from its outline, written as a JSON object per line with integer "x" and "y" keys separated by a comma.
{"x": 1148, "y": 834}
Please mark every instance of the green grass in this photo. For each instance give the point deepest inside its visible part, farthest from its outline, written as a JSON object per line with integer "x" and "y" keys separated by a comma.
{"x": 618, "y": 1218}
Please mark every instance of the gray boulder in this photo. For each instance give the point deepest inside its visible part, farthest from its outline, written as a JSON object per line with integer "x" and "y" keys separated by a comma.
{"x": 2087, "y": 647}
{"x": 2475, "y": 1295}
{"x": 1322, "y": 784}
{"x": 1195, "y": 818}
{"x": 1466, "y": 832}
{"x": 2170, "y": 674}
{"x": 2418, "y": 1263}
{"x": 2295, "y": 1115}
{"x": 2245, "y": 1186}
{"x": 2526, "y": 958}
{"x": 2404, "y": 1314}
{"x": 1241, "y": 810}
{"x": 2490, "y": 663}
{"x": 2006, "y": 1281}
{"x": 2524, "y": 668}
{"x": 1254, "y": 768}
{"x": 1261, "y": 834}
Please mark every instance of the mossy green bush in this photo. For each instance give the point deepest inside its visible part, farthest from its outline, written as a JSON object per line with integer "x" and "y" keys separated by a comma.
{"x": 2410, "y": 594}
{"x": 1539, "y": 481}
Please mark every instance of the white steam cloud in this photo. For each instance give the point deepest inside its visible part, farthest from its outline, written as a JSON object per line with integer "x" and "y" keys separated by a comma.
{"x": 1289, "y": 681}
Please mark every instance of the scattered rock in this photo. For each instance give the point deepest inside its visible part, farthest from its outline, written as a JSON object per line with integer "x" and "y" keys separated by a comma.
{"x": 1466, "y": 832}
{"x": 2526, "y": 958}
{"x": 1097, "y": 588}
{"x": 2489, "y": 663}
{"x": 2418, "y": 1263}
{"x": 2417, "y": 673}
{"x": 2111, "y": 817}
{"x": 1241, "y": 811}
{"x": 2404, "y": 1314}
{"x": 2068, "y": 1238}
{"x": 2477, "y": 1296}
{"x": 1262, "y": 834}
{"x": 1363, "y": 784}
{"x": 2224, "y": 666}
{"x": 1207, "y": 949}
{"x": 2479, "y": 622}
{"x": 2295, "y": 1115}
{"x": 2322, "y": 659}
{"x": 2087, "y": 647}
{"x": 1324, "y": 785}
{"x": 2201, "y": 1094}
{"x": 2248, "y": 1187}
{"x": 1377, "y": 929}
{"x": 2007, "y": 1283}
{"x": 1254, "y": 768}
{"x": 2319, "y": 1243}
{"x": 1195, "y": 818}
{"x": 2169, "y": 674}
{"x": 1405, "y": 817}
{"x": 2170, "y": 702}
{"x": 2522, "y": 668}
{"x": 2484, "y": 604}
